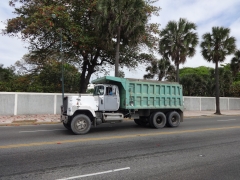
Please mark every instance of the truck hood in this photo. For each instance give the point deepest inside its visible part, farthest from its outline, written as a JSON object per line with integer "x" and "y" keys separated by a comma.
{"x": 83, "y": 102}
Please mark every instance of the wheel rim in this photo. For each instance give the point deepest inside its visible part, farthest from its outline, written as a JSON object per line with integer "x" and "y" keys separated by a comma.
{"x": 81, "y": 124}
{"x": 159, "y": 120}
{"x": 174, "y": 120}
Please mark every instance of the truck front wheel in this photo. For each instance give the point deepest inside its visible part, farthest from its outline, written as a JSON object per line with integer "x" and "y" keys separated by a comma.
{"x": 80, "y": 124}
{"x": 158, "y": 120}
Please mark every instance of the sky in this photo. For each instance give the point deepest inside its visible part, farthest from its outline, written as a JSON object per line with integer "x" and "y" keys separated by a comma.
{"x": 204, "y": 13}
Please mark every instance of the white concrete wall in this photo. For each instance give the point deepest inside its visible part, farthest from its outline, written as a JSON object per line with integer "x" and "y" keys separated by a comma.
{"x": 192, "y": 103}
{"x": 12, "y": 103}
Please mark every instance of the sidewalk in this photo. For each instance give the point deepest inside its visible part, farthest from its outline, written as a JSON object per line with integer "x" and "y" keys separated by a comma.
{"x": 53, "y": 119}
{"x": 210, "y": 113}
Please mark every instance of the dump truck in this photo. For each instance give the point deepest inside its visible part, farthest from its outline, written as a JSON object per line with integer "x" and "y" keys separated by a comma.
{"x": 148, "y": 103}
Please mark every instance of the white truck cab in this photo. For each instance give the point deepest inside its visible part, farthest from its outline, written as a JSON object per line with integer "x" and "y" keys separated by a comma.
{"x": 86, "y": 110}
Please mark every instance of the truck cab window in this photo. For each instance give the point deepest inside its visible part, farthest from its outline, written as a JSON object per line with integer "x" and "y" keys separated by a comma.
{"x": 98, "y": 90}
{"x": 109, "y": 91}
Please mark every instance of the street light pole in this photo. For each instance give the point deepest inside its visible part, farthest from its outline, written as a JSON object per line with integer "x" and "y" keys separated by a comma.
{"x": 62, "y": 67}
{"x": 61, "y": 59}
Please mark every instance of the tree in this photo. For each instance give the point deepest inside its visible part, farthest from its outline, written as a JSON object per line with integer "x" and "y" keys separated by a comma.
{"x": 7, "y": 76}
{"x": 178, "y": 41}
{"x": 196, "y": 81}
{"x": 193, "y": 85}
{"x": 29, "y": 76}
{"x": 215, "y": 47}
{"x": 225, "y": 80}
{"x": 161, "y": 69}
{"x": 235, "y": 65}
{"x": 235, "y": 89}
{"x": 82, "y": 40}
{"x": 123, "y": 20}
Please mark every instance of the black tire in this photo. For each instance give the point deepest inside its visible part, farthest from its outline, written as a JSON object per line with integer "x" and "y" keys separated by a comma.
{"x": 67, "y": 126}
{"x": 158, "y": 120}
{"x": 80, "y": 124}
{"x": 144, "y": 120}
{"x": 173, "y": 119}
{"x": 151, "y": 120}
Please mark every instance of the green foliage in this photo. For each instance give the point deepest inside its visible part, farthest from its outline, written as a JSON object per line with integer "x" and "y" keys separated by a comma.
{"x": 6, "y": 74}
{"x": 194, "y": 85}
{"x": 235, "y": 89}
{"x": 202, "y": 70}
{"x": 196, "y": 81}
{"x": 46, "y": 80}
{"x": 200, "y": 81}
{"x": 235, "y": 65}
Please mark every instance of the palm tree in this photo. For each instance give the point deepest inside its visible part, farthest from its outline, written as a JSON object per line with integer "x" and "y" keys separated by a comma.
{"x": 161, "y": 69}
{"x": 178, "y": 41}
{"x": 124, "y": 20}
{"x": 215, "y": 47}
{"x": 235, "y": 63}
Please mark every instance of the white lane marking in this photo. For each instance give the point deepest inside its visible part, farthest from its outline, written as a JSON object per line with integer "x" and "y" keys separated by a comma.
{"x": 121, "y": 169}
{"x": 94, "y": 174}
{"x": 42, "y": 130}
{"x": 228, "y": 120}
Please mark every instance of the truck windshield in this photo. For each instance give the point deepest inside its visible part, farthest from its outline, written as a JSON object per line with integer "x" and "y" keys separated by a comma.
{"x": 98, "y": 90}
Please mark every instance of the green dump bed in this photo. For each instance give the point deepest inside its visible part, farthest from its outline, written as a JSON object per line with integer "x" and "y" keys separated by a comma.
{"x": 146, "y": 94}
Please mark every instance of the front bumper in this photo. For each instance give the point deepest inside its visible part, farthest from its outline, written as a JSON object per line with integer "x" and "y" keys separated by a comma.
{"x": 64, "y": 119}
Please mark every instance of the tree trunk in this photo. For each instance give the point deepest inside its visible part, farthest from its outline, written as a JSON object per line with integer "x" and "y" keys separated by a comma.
{"x": 87, "y": 71}
{"x": 177, "y": 73}
{"x": 117, "y": 52}
{"x": 217, "y": 89}
{"x": 83, "y": 86}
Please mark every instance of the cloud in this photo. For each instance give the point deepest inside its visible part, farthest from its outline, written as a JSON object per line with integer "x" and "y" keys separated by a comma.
{"x": 235, "y": 29}
{"x": 11, "y": 49}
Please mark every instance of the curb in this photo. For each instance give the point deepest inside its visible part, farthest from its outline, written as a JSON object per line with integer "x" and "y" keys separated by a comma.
{"x": 210, "y": 115}
{"x": 22, "y": 123}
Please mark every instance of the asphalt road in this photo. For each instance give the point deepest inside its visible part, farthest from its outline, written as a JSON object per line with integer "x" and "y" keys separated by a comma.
{"x": 200, "y": 148}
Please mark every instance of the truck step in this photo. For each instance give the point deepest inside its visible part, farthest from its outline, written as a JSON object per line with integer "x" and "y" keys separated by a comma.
{"x": 113, "y": 116}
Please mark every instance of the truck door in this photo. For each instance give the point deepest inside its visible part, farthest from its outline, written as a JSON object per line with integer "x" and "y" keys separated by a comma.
{"x": 99, "y": 92}
{"x": 111, "y": 102}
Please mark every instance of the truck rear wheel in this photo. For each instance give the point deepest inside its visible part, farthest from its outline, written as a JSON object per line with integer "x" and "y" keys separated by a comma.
{"x": 158, "y": 120}
{"x": 80, "y": 124}
{"x": 173, "y": 119}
